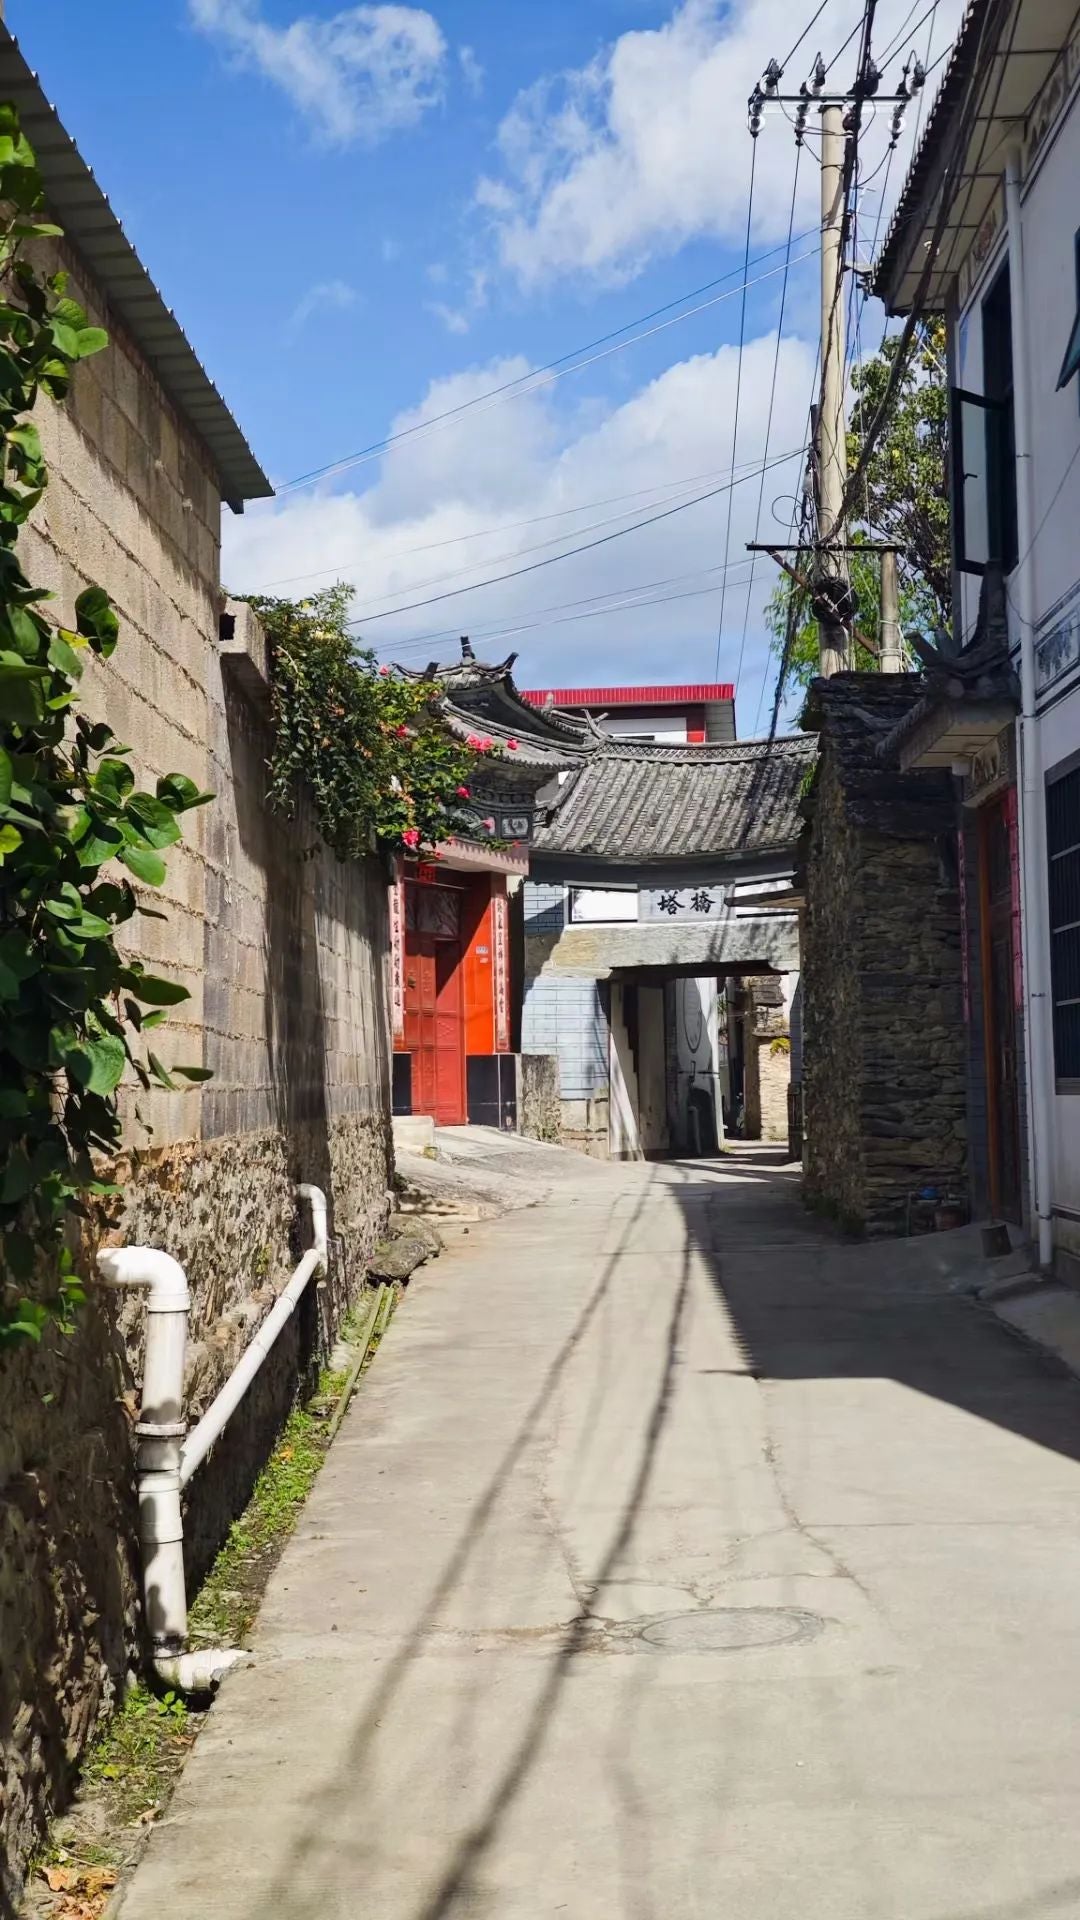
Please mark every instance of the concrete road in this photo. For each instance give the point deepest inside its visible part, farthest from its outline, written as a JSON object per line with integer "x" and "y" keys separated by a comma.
{"x": 674, "y": 1561}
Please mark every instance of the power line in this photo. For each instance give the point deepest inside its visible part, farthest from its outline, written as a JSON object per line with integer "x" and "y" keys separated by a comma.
{"x": 768, "y": 427}
{"x": 515, "y": 573}
{"x": 456, "y": 573}
{"x": 738, "y": 395}
{"x": 541, "y": 376}
{"x": 626, "y": 601}
{"x": 658, "y": 488}
{"x": 811, "y": 23}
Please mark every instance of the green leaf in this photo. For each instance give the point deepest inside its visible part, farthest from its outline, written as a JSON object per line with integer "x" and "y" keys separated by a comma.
{"x": 10, "y": 838}
{"x": 96, "y": 617}
{"x": 155, "y": 991}
{"x": 154, "y": 1019}
{"x": 144, "y": 864}
{"x": 64, "y": 658}
{"x": 180, "y": 793}
{"x": 91, "y": 340}
{"x": 101, "y": 843}
{"x": 65, "y": 339}
{"x": 25, "y": 631}
{"x": 195, "y": 1073}
{"x": 5, "y": 777}
{"x": 113, "y": 780}
{"x": 70, "y": 312}
{"x": 153, "y": 819}
{"x": 97, "y": 1064}
{"x": 160, "y": 1073}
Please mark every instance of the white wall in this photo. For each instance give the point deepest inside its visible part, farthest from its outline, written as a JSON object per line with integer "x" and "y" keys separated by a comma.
{"x": 652, "y": 1075}
{"x": 622, "y": 1078}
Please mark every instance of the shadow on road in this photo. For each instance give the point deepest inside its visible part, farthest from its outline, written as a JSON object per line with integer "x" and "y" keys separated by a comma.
{"x": 841, "y": 1310}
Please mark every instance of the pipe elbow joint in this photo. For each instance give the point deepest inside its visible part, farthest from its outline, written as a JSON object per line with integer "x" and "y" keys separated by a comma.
{"x": 151, "y": 1268}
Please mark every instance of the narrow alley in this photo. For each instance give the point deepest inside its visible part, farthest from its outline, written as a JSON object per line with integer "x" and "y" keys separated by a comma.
{"x": 675, "y": 1560}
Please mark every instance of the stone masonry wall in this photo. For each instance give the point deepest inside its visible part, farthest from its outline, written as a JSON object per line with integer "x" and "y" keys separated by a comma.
{"x": 884, "y": 1049}
{"x": 284, "y": 950}
{"x": 832, "y": 1149}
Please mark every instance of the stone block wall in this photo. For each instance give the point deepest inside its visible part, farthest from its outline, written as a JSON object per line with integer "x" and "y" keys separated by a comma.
{"x": 284, "y": 950}
{"x": 884, "y": 1053}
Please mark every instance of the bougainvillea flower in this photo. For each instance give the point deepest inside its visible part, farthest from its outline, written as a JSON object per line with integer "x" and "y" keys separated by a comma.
{"x": 512, "y": 746}
{"x": 383, "y": 672}
{"x": 463, "y": 793}
{"x": 488, "y": 825}
{"x": 411, "y": 836}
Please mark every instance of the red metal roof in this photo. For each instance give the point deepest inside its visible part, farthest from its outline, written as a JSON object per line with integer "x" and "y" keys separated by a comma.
{"x": 693, "y": 693}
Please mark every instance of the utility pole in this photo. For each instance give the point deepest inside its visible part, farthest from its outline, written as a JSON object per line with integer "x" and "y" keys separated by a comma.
{"x": 840, "y": 116}
{"x": 892, "y": 659}
{"x": 833, "y": 589}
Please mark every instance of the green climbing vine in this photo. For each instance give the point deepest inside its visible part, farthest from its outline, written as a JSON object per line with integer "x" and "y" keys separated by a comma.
{"x": 367, "y": 744}
{"x": 75, "y": 831}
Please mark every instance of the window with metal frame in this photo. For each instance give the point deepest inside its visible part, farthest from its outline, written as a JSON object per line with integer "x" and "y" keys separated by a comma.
{"x": 983, "y": 439}
{"x": 1063, "y": 861}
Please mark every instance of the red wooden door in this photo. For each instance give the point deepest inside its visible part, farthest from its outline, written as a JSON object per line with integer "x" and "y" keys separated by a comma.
{"x": 449, "y": 1036}
{"x": 435, "y": 1007}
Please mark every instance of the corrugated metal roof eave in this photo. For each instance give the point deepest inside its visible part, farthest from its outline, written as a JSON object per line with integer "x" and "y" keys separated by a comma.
{"x": 92, "y": 227}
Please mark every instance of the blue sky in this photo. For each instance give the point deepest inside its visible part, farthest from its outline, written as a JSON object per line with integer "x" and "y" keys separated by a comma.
{"x": 366, "y": 215}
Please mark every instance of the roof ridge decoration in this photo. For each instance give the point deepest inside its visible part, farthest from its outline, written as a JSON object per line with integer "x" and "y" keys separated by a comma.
{"x": 93, "y": 230}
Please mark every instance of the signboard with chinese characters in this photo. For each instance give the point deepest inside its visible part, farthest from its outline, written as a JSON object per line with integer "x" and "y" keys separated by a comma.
{"x": 697, "y": 902}
{"x": 501, "y": 937}
{"x": 397, "y": 958}
{"x": 1057, "y": 639}
{"x": 991, "y": 225}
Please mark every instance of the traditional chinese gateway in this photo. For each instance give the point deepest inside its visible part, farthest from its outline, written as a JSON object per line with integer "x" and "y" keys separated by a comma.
{"x": 661, "y": 943}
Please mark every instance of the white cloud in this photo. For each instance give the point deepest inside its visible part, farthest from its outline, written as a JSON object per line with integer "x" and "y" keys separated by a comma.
{"x": 471, "y": 71}
{"x": 359, "y": 75}
{"x": 646, "y": 147}
{"x": 458, "y": 319}
{"x": 453, "y": 491}
{"x": 324, "y": 296}
{"x": 454, "y": 319}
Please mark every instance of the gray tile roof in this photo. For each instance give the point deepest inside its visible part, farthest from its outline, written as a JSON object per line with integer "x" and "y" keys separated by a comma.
{"x": 636, "y": 803}
{"x": 92, "y": 227}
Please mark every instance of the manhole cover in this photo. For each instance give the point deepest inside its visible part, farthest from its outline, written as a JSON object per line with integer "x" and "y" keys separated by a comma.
{"x": 727, "y": 1629}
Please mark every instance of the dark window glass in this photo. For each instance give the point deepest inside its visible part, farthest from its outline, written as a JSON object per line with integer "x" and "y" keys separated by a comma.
{"x": 1000, "y": 429}
{"x": 1063, "y": 853}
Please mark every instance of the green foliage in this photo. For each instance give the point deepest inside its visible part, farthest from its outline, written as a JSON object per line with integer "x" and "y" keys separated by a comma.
{"x": 69, "y": 808}
{"x": 367, "y": 744}
{"x": 904, "y": 500}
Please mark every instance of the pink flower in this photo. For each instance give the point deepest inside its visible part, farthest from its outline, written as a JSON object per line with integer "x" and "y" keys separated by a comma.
{"x": 411, "y": 836}
{"x": 511, "y": 746}
{"x": 463, "y": 793}
{"x": 401, "y": 733}
{"x": 383, "y": 671}
{"x": 488, "y": 825}
{"x": 436, "y": 854}
{"x": 474, "y": 741}
{"x": 486, "y": 744}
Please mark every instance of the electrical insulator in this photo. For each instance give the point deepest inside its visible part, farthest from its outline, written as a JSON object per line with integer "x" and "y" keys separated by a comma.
{"x": 871, "y": 80}
{"x": 772, "y": 77}
{"x": 754, "y": 106}
{"x": 819, "y": 75}
{"x": 918, "y": 78}
{"x": 801, "y": 112}
{"x": 897, "y": 122}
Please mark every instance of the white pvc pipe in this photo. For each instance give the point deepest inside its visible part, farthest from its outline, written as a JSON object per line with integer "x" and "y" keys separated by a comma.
{"x": 159, "y": 1430}
{"x": 165, "y": 1461}
{"x": 1035, "y": 932}
{"x": 220, "y": 1411}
